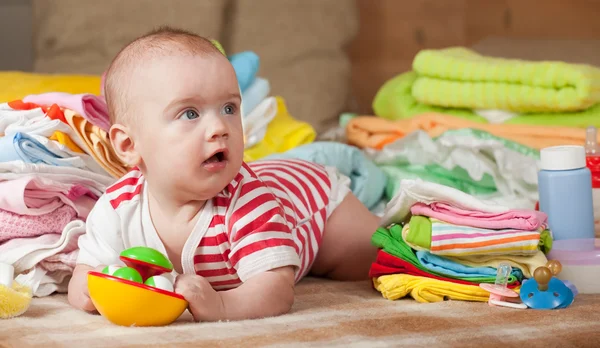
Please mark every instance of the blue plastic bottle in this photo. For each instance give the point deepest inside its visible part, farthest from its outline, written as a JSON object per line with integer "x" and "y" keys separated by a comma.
{"x": 565, "y": 188}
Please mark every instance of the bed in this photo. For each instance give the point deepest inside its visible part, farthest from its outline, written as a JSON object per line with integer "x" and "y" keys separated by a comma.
{"x": 326, "y": 313}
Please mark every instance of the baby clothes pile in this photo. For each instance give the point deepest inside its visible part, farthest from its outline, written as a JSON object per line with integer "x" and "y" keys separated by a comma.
{"x": 55, "y": 161}
{"x": 476, "y": 123}
{"x": 440, "y": 243}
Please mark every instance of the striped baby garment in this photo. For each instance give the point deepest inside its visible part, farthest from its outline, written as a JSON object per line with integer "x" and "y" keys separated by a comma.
{"x": 442, "y": 238}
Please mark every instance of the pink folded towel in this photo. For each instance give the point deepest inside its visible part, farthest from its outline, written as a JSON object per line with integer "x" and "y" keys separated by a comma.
{"x": 91, "y": 107}
{"x": 526, "y": 220}
{"x": 36, "y": 195}
{"x": 26, "y": 226}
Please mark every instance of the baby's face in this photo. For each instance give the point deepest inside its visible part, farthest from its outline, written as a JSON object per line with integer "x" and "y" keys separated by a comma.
{"x": 189, "y": 128}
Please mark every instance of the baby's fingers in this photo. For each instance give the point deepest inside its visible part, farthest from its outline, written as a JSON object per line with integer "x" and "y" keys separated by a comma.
{"x": 87, "y": 304}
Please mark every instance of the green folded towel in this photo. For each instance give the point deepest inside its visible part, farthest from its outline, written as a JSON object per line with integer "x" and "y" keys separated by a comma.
{"x": 390, "y": 240}
{"x": 394, "y": 101}
{"x": 459, "y": 77}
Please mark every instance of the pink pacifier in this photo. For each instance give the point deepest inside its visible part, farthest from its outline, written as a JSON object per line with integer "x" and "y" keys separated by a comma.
{"x": 500, "y": 294}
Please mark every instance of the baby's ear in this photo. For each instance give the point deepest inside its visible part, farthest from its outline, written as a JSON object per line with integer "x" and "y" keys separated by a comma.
{"x": 124, "y": 145}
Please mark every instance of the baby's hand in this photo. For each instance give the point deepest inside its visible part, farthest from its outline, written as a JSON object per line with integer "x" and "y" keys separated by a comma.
{"x": 78, "y": 294}
{"x": 204, "y": 302}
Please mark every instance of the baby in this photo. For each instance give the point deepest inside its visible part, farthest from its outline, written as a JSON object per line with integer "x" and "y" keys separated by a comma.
{"x": 239, "y": 235}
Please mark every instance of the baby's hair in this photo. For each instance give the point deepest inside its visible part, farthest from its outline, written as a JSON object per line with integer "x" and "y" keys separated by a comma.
{"x": 161, "y": 41}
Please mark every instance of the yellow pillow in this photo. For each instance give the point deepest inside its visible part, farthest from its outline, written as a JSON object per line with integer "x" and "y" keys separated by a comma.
{"x": 17, "y": 85}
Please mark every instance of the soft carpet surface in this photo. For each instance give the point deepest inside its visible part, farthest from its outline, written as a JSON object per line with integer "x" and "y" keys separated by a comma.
{"x": 326, "y": 313}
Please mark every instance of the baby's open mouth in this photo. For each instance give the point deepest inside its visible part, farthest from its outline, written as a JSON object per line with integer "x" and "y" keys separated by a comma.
{"x": 217, "y": 157}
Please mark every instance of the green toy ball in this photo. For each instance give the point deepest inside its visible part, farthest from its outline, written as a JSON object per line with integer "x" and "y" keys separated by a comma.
{"x": 110, "y": 270}
{"x": 128, "y": 273}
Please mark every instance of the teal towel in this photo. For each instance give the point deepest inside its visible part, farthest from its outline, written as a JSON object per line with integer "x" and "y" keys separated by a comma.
{"x": 368, "y": 182}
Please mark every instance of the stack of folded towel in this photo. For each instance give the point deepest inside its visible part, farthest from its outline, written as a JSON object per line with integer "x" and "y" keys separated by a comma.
{"x": 55, "y": 161}
{"x": 441, "y": 243}
{"x": 469, "y": 121}
{"x": 460, "y": 82}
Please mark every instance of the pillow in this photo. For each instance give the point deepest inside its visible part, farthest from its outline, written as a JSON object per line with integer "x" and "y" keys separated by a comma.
{"x": 301, "y": 45}
{"x": 82, "y": 37}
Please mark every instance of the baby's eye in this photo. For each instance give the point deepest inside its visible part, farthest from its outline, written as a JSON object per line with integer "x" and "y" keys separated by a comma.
{"x": 190, "y": 114}
{"x": 229, "y": 109}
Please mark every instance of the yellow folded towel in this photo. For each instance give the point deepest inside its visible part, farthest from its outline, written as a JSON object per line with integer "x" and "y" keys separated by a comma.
{"x": 98, "y": 144}
{"x": 423, "y": 289}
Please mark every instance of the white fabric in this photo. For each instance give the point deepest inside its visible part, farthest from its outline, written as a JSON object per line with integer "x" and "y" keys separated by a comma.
{"x": 8, "y": 116}
{"x": 414, "y": 191}
{"x": 35, "y": 122}
{"x": 44, "y": 283}
{"x": 26, "y": 255}
{"x": 514, "y": 173}
{"x": 80, "y": 160}
{"x": 495, "y": 116}
{"x": 7, "y": 274}
{"x": 255, "y": 124}
{"x": 96, "y": 183}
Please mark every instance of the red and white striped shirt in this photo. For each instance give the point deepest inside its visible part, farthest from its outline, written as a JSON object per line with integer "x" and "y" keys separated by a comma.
{"x": 271, "y": 215}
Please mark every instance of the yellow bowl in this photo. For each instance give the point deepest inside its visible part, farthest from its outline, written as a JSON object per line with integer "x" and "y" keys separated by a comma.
{"x": 127, "y": 303}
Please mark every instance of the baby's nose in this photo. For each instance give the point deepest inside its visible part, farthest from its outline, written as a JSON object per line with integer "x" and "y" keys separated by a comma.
{"x": 218, "y": 130}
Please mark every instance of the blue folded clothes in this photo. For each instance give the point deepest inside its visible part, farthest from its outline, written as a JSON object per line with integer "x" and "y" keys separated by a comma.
{"x": 23, "y": 147}
{"x": 449, "y": 268}
{"x": 367, "y": 180}
{"x": 246, "y": 66}
{"x": 255, "y": 94}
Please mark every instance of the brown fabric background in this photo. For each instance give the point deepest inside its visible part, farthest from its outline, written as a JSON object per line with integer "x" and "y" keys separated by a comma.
{"x": 301, "y": 44}
{"x": 326, "y": 313}
{"x": 74, "y": 36}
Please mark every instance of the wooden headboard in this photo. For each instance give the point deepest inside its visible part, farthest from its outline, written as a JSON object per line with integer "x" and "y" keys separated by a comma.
{"x": 393, "y": 31}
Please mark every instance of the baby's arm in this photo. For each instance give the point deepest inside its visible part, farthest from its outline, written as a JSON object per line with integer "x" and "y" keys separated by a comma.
{"x": 267, "y": 294}
{"x": 98, "y": 247}
{"x": 262, "y": 251}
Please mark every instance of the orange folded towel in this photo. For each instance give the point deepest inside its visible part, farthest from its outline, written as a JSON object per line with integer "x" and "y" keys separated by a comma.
{"x": 375, "y": 132}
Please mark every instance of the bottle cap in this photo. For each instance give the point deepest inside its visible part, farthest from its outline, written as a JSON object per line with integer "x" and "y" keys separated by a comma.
{"x": 7, "y": 273}
{"x": 562, "y": 157}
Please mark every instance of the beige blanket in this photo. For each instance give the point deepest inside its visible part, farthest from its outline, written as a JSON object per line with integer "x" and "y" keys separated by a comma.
{"x": 326, "y": 313}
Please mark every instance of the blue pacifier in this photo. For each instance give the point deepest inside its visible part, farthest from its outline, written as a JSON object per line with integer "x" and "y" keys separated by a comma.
{"x": 545, "y": 291}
